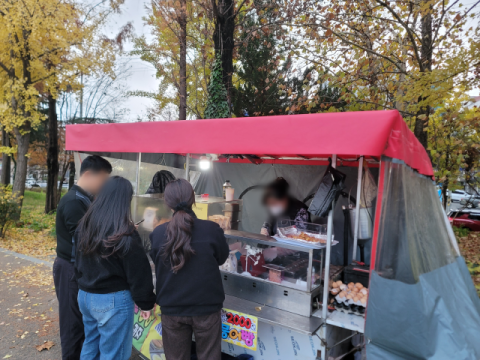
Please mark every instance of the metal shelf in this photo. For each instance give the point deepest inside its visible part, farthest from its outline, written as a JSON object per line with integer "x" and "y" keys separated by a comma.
{"x": 343, "y": 320}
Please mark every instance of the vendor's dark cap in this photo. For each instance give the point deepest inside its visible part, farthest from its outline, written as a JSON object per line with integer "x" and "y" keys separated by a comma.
{"x": 277, "y": 189}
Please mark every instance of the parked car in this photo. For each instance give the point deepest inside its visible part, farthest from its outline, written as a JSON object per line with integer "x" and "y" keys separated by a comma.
{"x": 458, "y": 195}
{"x": 31, "y": 183}
{"x": 470, "y": 202}
{"x": 469, "y": 219}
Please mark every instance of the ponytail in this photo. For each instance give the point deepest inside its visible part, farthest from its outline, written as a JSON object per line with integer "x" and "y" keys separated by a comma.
{"x": 179, "y": 196}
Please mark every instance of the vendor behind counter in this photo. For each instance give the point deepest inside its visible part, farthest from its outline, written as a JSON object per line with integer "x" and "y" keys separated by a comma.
{"x": 281, "y": 205}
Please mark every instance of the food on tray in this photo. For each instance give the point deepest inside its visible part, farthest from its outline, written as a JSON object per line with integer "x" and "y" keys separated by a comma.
{"x": 351, "y": 286}
{"x": 225, "y": 222}
{"x": 363, "y": 300}
{"x": 343, "y": 287}
{"x": 364, "y": 291}
{"x": 335, "y": 285}
{"x": 349, "y": 296}
{"x": 342, "y": 294}
{"x": 311, "y": 233}
{"x": 305, "y": 237}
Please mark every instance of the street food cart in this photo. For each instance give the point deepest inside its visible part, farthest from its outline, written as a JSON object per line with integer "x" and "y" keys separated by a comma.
{"x": 421, "y": 300}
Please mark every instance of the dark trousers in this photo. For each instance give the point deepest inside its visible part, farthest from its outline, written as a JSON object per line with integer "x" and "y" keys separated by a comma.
{"x": 71, "y": 323}
{"x": 177, "y": 336}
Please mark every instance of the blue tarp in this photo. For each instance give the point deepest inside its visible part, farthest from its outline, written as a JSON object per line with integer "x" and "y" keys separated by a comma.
{"x": 436, "y": 318}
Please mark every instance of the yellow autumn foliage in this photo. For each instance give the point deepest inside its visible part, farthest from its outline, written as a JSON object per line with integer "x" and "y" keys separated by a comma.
{"x": 44, "y": 47}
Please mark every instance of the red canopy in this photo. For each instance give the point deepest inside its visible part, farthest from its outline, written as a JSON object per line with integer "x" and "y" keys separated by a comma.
{"x": 368, "y": 133}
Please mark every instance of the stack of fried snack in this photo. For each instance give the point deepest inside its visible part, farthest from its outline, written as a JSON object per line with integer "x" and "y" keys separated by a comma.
{"x": 351, "y": 298}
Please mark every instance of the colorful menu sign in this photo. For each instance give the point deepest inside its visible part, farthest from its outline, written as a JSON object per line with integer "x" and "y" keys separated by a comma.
{"x": 147, "y": 334}
{"x": 239, "y": 329}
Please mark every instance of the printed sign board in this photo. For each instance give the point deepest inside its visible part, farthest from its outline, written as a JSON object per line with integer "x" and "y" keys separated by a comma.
{"x": 147, "y": 335}
{"x": 239, "y": 329}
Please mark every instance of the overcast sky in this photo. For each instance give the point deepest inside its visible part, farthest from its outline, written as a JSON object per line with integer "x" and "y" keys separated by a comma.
{"x": 142, "y": 73}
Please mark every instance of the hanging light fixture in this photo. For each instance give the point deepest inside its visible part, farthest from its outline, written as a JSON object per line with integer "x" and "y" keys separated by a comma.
{"x": 204, "y": 163}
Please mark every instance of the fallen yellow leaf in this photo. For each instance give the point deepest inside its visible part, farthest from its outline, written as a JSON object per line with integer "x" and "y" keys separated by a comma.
{"x": 45, "y": 346}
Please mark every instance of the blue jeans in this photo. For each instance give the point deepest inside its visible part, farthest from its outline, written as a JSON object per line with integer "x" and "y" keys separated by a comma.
{"x": 108, "y": 321}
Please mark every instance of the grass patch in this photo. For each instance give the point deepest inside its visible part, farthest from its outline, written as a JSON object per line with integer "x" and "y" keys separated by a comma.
{"x": 34, "y": 234}
{"x": 34, "y": 200}
{"x": 461, "y": 231}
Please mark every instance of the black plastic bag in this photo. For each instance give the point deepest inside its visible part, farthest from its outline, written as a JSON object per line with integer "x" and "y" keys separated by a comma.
{"x": 332, "y": 184}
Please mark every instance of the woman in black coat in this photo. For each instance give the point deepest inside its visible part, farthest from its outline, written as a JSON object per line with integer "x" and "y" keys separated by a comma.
{"x": 187, "y": 253}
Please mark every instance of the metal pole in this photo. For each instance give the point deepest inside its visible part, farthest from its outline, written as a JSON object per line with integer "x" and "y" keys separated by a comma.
{"x": 81, "y": 96}
{"x": 137, "y": 177}
{"x": 187, "y": 166}
{"x": 326, "y": 279}
{"x": 357, "y": 208}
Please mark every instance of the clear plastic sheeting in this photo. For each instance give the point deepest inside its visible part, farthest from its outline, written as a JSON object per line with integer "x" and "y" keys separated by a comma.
{"x": 413, "y": 236}
{"x": 128, "y": 170}
{"x": 436, "y": 318}
{"x": 422, "y": 302}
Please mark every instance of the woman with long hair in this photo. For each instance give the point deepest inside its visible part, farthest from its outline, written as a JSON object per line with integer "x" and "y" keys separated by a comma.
{"x": 187, "y": 253}
{"x": 113, "y": 273}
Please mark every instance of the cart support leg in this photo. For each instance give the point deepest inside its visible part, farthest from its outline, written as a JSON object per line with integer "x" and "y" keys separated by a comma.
{"x": 328, "y": 249}
{"x": 137, "y": 176}
{"x": 357, "y": 208}
{"x": 187, "y": 166}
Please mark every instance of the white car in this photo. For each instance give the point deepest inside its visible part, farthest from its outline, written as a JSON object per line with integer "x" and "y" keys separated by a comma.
{"x": 459, "y": 195}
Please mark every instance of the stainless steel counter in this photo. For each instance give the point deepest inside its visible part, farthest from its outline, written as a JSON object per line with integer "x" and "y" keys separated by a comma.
{"x": 302, "y": 324}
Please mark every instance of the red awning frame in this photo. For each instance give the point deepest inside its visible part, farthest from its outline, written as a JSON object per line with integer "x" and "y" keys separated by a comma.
{"x": 293, "y": 139}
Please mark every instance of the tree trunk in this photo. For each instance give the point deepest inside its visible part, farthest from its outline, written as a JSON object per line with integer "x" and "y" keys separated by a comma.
{"x": 223, "y": 40}
{"x": 426, "y": 55}
{"x": 71, "y": 176}
{"x": 23, "y": 141}
{"x": 6, "y": 160}
{"x": 60, "y": 183}
{"x": 183, "y": 60}
{"x": 52, "y": 156}
{"x": 444, "y": 192}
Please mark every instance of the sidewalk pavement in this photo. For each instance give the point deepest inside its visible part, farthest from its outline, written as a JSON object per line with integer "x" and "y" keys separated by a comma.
{"x": 28, "y": 309}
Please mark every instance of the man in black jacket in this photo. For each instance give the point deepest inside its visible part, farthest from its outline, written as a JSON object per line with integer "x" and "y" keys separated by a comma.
{"x": 94, "y": 171}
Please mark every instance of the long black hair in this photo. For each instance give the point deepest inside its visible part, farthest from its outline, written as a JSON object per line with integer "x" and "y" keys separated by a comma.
{"x": 104, "y": 226}
{"x": 179, "y": 196}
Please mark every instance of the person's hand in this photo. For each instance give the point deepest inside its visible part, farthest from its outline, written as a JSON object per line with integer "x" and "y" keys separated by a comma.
{"x": 264, "y": 231}
{"x": 145, "y": 314}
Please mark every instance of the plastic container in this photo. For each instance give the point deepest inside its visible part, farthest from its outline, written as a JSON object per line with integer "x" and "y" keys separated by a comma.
{"x": 275, "y": 272}
{"x": 303, "y": 232}
{"x": 225, "y": 186}
{"x": 229, "y": 191}
{"x": 357, "y": 273}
